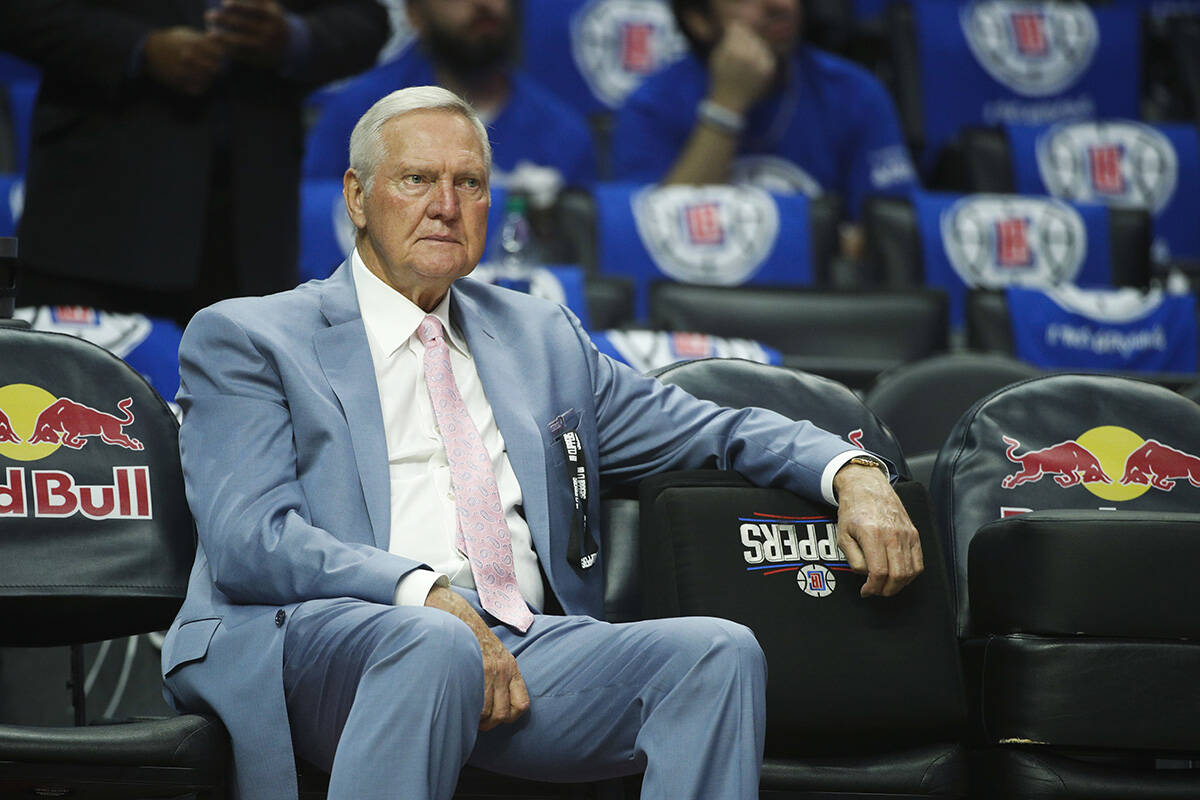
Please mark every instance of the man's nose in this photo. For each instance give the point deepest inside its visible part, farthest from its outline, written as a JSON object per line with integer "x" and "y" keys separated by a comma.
{"x": 444, "y": 204}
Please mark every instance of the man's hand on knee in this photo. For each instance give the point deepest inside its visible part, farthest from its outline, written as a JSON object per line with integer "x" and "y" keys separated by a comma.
{"x": 505, "y": 697}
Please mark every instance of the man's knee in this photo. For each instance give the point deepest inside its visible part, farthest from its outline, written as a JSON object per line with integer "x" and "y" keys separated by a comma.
{"x": 436, "y": 649}
{"x": 721, "y": 643}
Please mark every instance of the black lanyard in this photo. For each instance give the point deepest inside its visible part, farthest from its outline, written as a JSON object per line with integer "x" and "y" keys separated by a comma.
{"x": 581, "y": 547}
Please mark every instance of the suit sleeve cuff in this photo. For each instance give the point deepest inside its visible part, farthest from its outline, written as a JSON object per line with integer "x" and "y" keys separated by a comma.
{"x": 836, "y": 463}
{"x": 414, "y": 587}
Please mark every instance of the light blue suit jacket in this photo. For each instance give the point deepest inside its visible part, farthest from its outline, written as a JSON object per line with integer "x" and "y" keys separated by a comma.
{"x": 287, "y": 475}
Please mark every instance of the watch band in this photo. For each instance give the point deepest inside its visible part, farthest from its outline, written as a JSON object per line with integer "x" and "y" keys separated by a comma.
{"x": 868, "y": 461}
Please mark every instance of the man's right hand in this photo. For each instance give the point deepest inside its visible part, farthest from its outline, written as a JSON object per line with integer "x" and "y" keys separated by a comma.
{"x": 505, "y": 697}
{"x": 184, "y": 59}
{"x": 740, "y": 68}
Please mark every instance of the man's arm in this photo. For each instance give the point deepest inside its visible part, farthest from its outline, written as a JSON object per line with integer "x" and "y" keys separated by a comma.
{"x": 241, "y": 468}
{"x": 645, "y": 427}
{"x": 740, "y": 70}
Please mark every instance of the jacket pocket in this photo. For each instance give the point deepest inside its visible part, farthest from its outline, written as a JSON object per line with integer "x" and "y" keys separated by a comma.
{"x": 190, "y": 643}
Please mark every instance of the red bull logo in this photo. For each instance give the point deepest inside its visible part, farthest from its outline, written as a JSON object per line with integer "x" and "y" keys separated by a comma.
{"x": 33, "y": 425}
{"x": 1111, "y": 462}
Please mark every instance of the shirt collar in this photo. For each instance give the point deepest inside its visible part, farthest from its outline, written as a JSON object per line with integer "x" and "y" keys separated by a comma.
{"x": 392, "y": 318}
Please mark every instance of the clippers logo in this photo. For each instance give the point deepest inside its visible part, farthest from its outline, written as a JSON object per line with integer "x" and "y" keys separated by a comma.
{"x": 1029, "y": 33}
{"x": 33, "y": 425}
{"x": 994, "y": 241}
{"x": 1034, "y": 48}
{"x": 1012, "y": 243}
{"x": 718, "y": 235}
{"x": 806, "y": 546}
{"x": 1123, "y": 164}
{"x": 775, "y": 175}
{"x": 703, "y": 223}
{"x": 617, "y": 43}
{"x": 1111, "y": 462}
{"x": 692, "y": 345}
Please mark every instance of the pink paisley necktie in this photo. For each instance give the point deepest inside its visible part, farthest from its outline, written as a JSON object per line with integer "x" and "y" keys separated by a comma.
{"x": 482, "y": 531}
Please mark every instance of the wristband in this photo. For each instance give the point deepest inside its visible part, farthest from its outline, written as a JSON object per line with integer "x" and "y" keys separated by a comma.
{"x": 720, "y": 117}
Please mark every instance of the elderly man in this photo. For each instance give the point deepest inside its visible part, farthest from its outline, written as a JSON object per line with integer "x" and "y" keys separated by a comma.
{"x": 377, "y": 467}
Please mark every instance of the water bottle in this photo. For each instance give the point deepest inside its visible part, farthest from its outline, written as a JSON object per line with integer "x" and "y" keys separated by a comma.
{"x": 516, "y": 251}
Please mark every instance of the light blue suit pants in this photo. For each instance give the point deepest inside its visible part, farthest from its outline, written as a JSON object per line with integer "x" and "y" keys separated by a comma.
{"x": 387, "y": 699}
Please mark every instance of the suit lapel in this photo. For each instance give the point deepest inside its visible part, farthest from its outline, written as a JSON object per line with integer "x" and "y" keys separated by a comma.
{"x": 499, "y": 371}
{"x": 345, "y": 358}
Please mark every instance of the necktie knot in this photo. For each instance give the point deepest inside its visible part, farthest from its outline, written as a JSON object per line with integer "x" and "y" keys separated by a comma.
{"x": 430, "y": 330}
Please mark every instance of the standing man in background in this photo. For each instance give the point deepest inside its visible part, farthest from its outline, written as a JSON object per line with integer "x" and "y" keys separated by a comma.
{"x": 755, "y": 104}
{"x": 167, "y": 140}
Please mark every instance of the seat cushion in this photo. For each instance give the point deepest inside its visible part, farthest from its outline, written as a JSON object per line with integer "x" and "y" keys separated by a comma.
{"x": 189, "y": 740}
{"x": 937, "y": 770}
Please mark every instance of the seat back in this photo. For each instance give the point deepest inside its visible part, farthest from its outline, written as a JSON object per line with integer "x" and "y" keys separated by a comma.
{"x": 594, "y": 53}
{"x": 1064, "y": 442}
{"x": 920, "y": 402}
{"x": 712, "y": 235}
{"x": 1124, "y": 330}
{"x": 768, "y": 559}
{"x": 957, "y": 242}
{"x": 96, "y": 540}
{"x": 1003, "y": 60}
{"x": 848, "y": 336}
{"x": 1121, "y": 163}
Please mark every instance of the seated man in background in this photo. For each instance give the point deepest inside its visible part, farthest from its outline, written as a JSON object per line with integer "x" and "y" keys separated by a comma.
{"x": 466, "y": 47}
{"x": 396, "y": 575}
{"x": 754, "y": 104}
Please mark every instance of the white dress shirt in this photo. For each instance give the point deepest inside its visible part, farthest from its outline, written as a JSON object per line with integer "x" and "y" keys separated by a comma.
{"x": 423, "y": 513}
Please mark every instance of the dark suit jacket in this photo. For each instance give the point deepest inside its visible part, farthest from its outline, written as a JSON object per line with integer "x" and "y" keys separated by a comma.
{"x": 119, "y": 169}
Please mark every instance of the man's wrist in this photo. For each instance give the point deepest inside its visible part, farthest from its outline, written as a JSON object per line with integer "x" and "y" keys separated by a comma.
{"x": 719, "y": 116}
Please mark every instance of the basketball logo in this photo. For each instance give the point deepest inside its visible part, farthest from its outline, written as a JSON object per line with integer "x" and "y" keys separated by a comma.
{"x": 994, "y": 241}
{"x": 617, "y": 43}
{"x": 1121, "y": 163}
{"x": 1034, "y": 48}
{"x": 718, "y": 235}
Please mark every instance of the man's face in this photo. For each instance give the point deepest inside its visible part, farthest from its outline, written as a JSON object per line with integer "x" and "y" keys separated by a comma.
{"x": 469, "y": 35}
{"x": 424, "y": 221}
{"x": 776, "y": 21}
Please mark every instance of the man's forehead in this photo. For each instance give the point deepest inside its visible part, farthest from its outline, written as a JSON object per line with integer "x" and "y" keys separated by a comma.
{"x": 417, "y": 134}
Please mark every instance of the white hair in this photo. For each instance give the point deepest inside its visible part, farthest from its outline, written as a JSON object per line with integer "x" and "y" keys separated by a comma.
{"x": 366, "y": 142}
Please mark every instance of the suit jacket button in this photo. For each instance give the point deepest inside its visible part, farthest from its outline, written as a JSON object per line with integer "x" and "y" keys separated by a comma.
{"x": 280, "y": 618}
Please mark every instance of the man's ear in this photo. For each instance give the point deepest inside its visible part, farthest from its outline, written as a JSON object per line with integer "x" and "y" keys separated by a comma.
{"x": 355, "y": 195}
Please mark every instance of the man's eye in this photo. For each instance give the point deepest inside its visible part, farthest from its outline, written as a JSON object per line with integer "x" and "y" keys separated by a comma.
{"x": 470, "y": 183}
{"x": 413, "y": 180}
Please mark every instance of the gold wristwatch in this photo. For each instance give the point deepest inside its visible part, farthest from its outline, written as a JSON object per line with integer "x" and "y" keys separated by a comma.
{"x": 868, "y": 461}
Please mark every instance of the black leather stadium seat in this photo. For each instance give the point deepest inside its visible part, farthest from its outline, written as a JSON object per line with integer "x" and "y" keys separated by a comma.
{"x": 922, "y": 400}
{"x": 1070, "y": 503}
{"x": 864, "y": 696}
{"x": 96, "y": 542}
{"x": 850, "y": 336}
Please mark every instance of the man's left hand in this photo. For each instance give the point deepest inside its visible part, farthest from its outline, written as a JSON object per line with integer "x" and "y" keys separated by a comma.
{"x": 874, "y": 531}
{"x": 254, "y": 31}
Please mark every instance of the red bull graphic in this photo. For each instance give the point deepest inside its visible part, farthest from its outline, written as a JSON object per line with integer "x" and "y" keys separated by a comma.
{"x": 1159, "y": 465}
{"x": 1097, "y": 457}
{"x": 33, "y": 425}
{"x": 72, "y": 424}
{"x": 1068, "y": 462}
{"x": 7, "y": 434}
